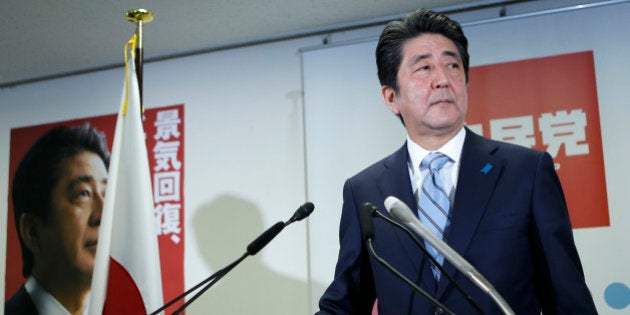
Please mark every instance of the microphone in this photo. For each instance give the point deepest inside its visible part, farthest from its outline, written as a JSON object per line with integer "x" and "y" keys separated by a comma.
{"x": 252, "y": 249}
{"x": 401, "y": 211}
{"x": 302, "y": 212}
{"x": 365, "y": 219}
{"x": 261, "y": 241}
{"x": 431, "y": 258}
{"x": 367, "y": 235}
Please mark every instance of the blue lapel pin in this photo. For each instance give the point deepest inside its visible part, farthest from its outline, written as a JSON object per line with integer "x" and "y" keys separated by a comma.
{"x": 487, "y": 168}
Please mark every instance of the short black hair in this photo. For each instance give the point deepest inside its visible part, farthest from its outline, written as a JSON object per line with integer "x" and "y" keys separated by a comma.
{"x": 397, "y": 33}
{"x": 39, "y": 171}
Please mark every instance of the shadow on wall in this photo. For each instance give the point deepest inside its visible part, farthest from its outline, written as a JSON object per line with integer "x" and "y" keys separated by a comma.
{"x": 224, "y": 228}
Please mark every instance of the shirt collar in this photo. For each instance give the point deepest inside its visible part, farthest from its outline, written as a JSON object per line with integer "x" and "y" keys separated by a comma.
{"x": 44, "y": 301}
{"x": 452, "y": 149}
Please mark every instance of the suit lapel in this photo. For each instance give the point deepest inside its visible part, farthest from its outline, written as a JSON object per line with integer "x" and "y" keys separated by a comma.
{"x": 395, "y": 181}
{"x": 478, "y": 174}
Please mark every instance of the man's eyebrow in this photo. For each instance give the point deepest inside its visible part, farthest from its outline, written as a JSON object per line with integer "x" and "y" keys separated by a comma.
{"x": 421, "y": 57}
{"x": 451, "y": 54}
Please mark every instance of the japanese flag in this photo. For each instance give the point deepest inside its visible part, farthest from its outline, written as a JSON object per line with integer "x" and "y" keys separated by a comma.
{"x": 127, "y": 278}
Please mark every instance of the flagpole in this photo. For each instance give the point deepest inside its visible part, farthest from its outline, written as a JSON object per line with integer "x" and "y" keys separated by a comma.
{"x": 139, "y": 17}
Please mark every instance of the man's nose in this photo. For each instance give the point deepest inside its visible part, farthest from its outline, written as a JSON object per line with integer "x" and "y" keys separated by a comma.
{"x": 97, "y": 208}
{"x": 440, "y": 79}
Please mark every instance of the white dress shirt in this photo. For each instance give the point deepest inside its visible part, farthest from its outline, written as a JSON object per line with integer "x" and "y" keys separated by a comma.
{"x": 44, "y": 302}
{"x": 448, "y": 173}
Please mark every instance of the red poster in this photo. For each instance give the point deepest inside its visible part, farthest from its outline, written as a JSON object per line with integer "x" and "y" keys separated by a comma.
{"x": 164, "y": 129}
{"x": 549, "y": 104}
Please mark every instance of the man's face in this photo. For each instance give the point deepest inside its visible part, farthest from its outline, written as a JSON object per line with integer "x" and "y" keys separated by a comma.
{"x": 70, "y": 233}
{"x": 432, "y": 91}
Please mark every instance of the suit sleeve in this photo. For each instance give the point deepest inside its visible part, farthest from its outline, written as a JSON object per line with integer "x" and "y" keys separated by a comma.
{"x": 559, "y": 278}
{"x": 352, "y": 290}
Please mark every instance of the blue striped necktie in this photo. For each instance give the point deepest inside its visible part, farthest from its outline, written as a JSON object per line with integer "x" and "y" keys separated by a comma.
{"x": 433, "y": 202}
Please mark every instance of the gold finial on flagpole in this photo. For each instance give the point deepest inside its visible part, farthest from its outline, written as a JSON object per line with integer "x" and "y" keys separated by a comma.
{"x": 139, "y": 17}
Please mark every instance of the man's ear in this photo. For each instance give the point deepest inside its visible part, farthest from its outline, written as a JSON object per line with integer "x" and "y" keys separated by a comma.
{"x": 390, "y": 99}
{"x": 29, "y": 229}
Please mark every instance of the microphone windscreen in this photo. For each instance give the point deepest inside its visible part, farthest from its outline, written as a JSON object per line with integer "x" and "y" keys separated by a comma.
{"x": 365, "y": 218}
{"x": 309, "y": 207}
{"x": 254, "y": 247}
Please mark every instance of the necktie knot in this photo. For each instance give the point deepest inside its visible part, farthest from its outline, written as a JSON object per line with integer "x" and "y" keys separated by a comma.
{"x": 434, "y": 161}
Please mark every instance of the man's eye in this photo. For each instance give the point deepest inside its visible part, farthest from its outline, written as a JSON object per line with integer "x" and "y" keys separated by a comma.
{"x": 423, "y": 68}
{"x": 84, "y": 193}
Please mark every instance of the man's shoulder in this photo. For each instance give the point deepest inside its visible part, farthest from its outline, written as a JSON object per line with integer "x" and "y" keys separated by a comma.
{"x": 502, "y": 148}
{"x": 20, "y": 304}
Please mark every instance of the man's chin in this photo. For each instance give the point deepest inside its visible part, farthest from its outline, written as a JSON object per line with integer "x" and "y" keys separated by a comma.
{"x": 445, "y": 127}
{"x": 87, "y": 266}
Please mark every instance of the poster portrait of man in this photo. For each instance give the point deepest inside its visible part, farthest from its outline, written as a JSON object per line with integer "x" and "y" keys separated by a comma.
{"x": 57, "y": 179}
{"x": 57, "y": 194}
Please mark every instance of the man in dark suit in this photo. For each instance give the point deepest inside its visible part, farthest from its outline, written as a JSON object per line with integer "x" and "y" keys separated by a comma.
{"x": 505, "y": 210}
{"x": 58, "y": 192}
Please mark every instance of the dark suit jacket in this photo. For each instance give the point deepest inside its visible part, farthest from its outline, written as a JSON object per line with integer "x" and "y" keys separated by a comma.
{"x": 20, "y": 304}
{"x": 511, "y": 223}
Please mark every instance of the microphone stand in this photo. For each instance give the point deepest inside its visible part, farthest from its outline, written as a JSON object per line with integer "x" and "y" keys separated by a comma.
{"x": 214, "y": 279}
{"x": 401, "y": 211}
{"x": 367, "y": 235}
{"x": 402, "y": 277}
{"x": 433, "y": 261}
{"x": 252, "y": 249}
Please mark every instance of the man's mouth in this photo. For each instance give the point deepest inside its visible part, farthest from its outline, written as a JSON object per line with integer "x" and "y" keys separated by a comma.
{"x": 442, "y": 101}
{"x": 91, "y": 244}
